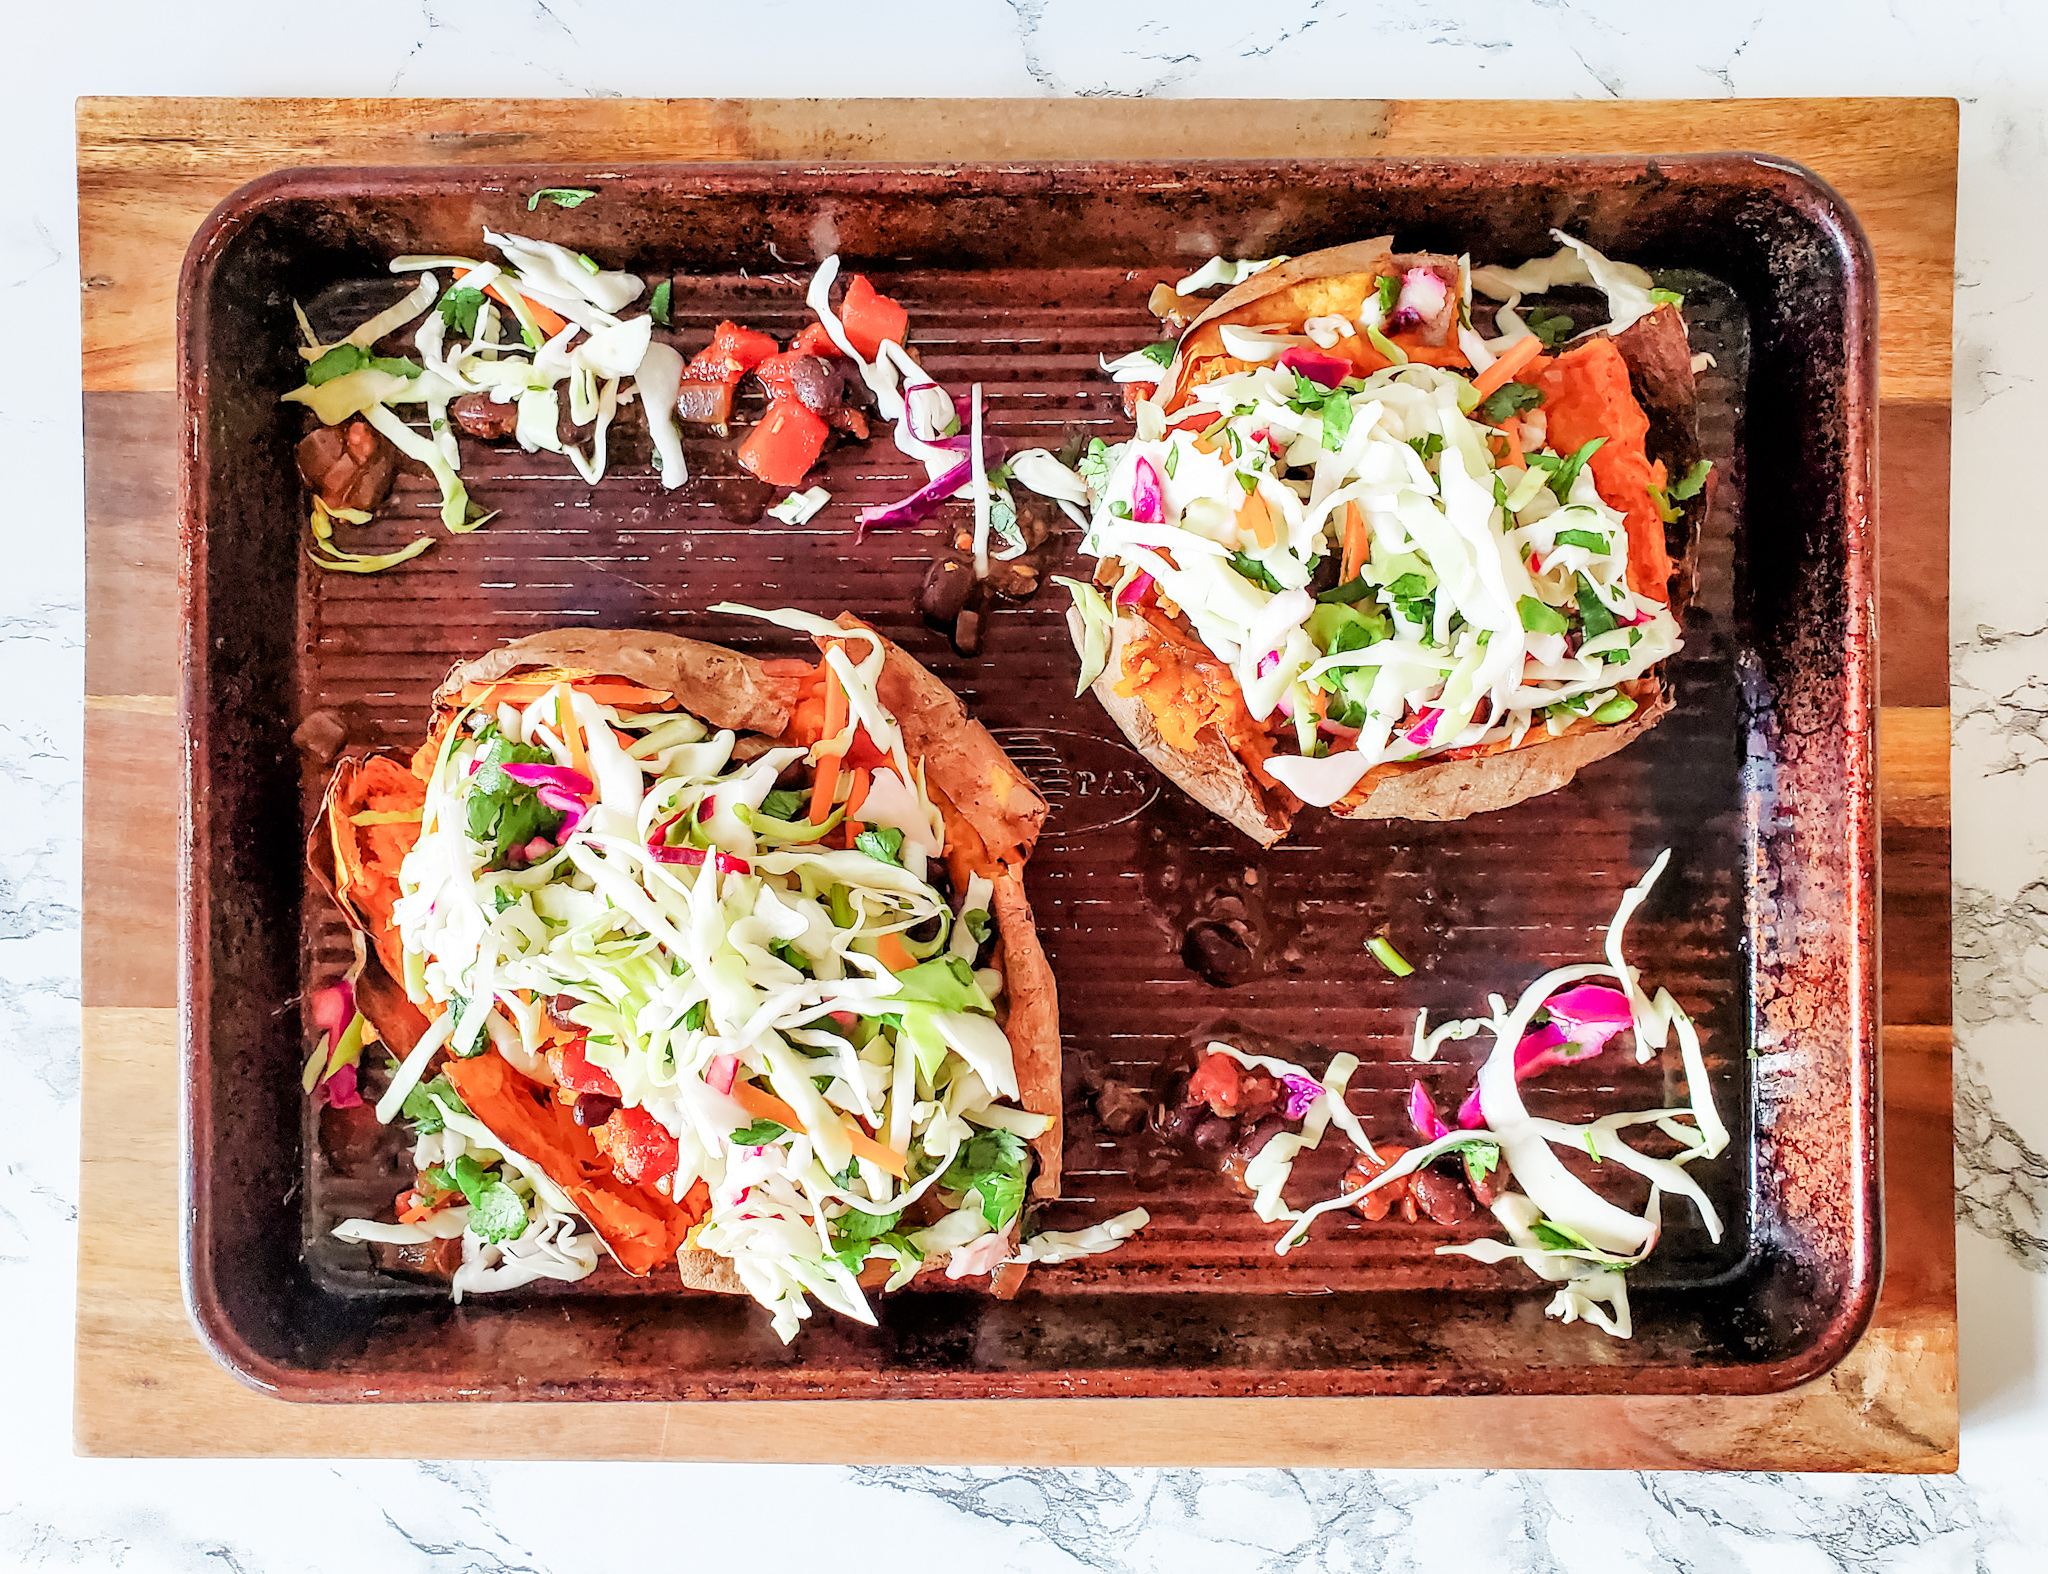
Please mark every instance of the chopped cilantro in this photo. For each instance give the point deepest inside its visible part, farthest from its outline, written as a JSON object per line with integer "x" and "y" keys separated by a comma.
{"x": 657, "y": 303}
{"x": 1592, "y": 541}
{"x": 1552, "y": 327}
{"x": 978, "y": 924}
{"x": 346, "y": 358}
{"x": 495, "y": 1211}
{"x": 1249, "y": 482}
{"x": 1172, "y": 460}
{"x": 560, "y": 196}
{"x": 990, "y": 1167}
{"x": 1594, "y": 613}
{"x": 1121, "y": 509}
{"x": 884, "y": 844}
{"x": 694, "y": 1018}
{"x": 1160, "y": 353}
{"x": 1539, "y": 619}
{"x": 1563, "y": 472}
{"x": 1429, "y": 446}
{"x": 1347, "y": 594}
{"x": 419, "y": 1105}
{"x": 1254, "y": 571}
{"x": 1689, "y": 484}
{"x": 1096, "y": 462}
{"x": 1510, "y": 399}
{"x": 1389, "y": 293}
{"x": 1667, "y": 297}
{"x": 758, "y": 1135}
{"x": 458, "y": 309}
{"x": 1559, "y": 1237}
{"x": 784, "y": 803}
{"x": 1336, "y": 423}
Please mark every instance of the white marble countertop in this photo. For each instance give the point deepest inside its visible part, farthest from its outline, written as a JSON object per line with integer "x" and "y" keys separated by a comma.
{"x": 59, "y": 1512}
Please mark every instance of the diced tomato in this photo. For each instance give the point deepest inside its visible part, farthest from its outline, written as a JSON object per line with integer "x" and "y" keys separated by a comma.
{"x": 814, "y": 340}
{"x": 1216, "y": 1083}
{"x": 574, "y": 1071}
{"x": 639, "y": 1146}
{"x": 862, "y": 754}
{"x": 785, "y": 445}
{"x": 732, "y": 353}
{"x": 1133, "y": 392}
{"x": 870, "y": 318}
{"x": 778, "y": 375}
{"x": 710, "y": 403}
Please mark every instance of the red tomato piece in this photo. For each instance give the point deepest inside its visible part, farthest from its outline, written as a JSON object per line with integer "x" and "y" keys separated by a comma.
{"x": 732, "y": 353}
{"x": 785, "y": 445}
{"x": 862, "y": 754}
{"x": 574, "y": 1071}
{"x": 641, "y": 1149}
{"x": 814, "y": 340}
{"x": 870, "y": 318}
{"x": 1216, "y": 1081}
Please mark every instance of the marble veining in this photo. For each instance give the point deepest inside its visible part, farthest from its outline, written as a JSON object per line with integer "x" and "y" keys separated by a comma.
{"x": 57, "y": 1513}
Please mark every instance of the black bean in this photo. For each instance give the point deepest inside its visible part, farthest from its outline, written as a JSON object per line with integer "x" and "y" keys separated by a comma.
{"x": 594, "y": 1109}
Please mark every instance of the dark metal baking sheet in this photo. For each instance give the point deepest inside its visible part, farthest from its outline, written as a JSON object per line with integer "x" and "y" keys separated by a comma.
{"x": 1017, "y": 277}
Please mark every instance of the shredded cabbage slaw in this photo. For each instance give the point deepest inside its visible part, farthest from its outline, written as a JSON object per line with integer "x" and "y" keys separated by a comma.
{"x": 1453, "y": 633}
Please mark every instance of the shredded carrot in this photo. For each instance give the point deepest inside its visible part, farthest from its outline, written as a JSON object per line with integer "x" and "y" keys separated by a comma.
{"x": 894, "y": 957}
{"x": 572, "y": 733}
{"x": 827, "y": 782}
{"x": 550, "y": 323}
{"x": 1516, "y": 358}
{"x": 862, "y": 779}
{"x": 1357, "y": 543}
{"x": 1254, "y": 516}
{"x": 763, "y": 1105}
{"x": 1511, "y": 431}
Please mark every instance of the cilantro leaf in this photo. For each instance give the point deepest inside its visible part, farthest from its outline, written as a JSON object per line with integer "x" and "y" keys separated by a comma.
{"x": 758, "y": 1135}
{"x": 1336, "y": 423}
{"x": 1510, "y": 399}
{"x": 1250, "y": 483}
{"x": 1308, "y": 393}
{"x": 346, "y": 358}
{"x": 1350, "y": 593}
{"x": 978, "y": 924}
{"x": 435, "y": 1179}
{"x": 657, "y": 303}
{"x": 990, "y": 1168}
{"x": 1689, "y": 484}
{"x": 1667, "y": 297}
{"x": 1172, "y": 460}
{"x": 784, "y": 803}
{"x": 1540, "y": 619}
{"x": 419, "y": 1105}
{"x": 495, "y": 1211}
{"x": 1389, "y": 293}
{"x": 1254, "y": 571}
{"x": 1592, "y": 541}
{"x": 1161, "y": 353}
{"x": 1552, "y": 327}
{"x": 458, "y": 309}
{"x": 560, "y": 196}
{"x": 1121, "y": 509}
{"x": 1096, "y": 462}
{"x": 1563, "y": 472}
{"x": 1559, "y": 1237}
{"x": 884, "y": 844}
{"x": 694, "y": 1018}
{"x": 1594, "y": 613}
{"x": 1428, "y": 447}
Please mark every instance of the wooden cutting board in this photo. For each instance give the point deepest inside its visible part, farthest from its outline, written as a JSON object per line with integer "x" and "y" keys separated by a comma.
{"x": 150, "y": 169}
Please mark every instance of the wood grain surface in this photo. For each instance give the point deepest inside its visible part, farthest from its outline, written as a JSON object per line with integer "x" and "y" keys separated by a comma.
{"x": 149, "y": 171}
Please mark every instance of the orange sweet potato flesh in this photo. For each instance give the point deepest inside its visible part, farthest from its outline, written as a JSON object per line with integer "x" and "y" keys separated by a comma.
{"x": 642, "y": 1227}
{"x": 367, "y": 857}
{"x": 1586, "y": 394}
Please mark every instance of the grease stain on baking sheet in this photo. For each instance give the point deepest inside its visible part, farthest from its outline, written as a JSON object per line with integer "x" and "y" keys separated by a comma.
{"x": 1089, "y": 782}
